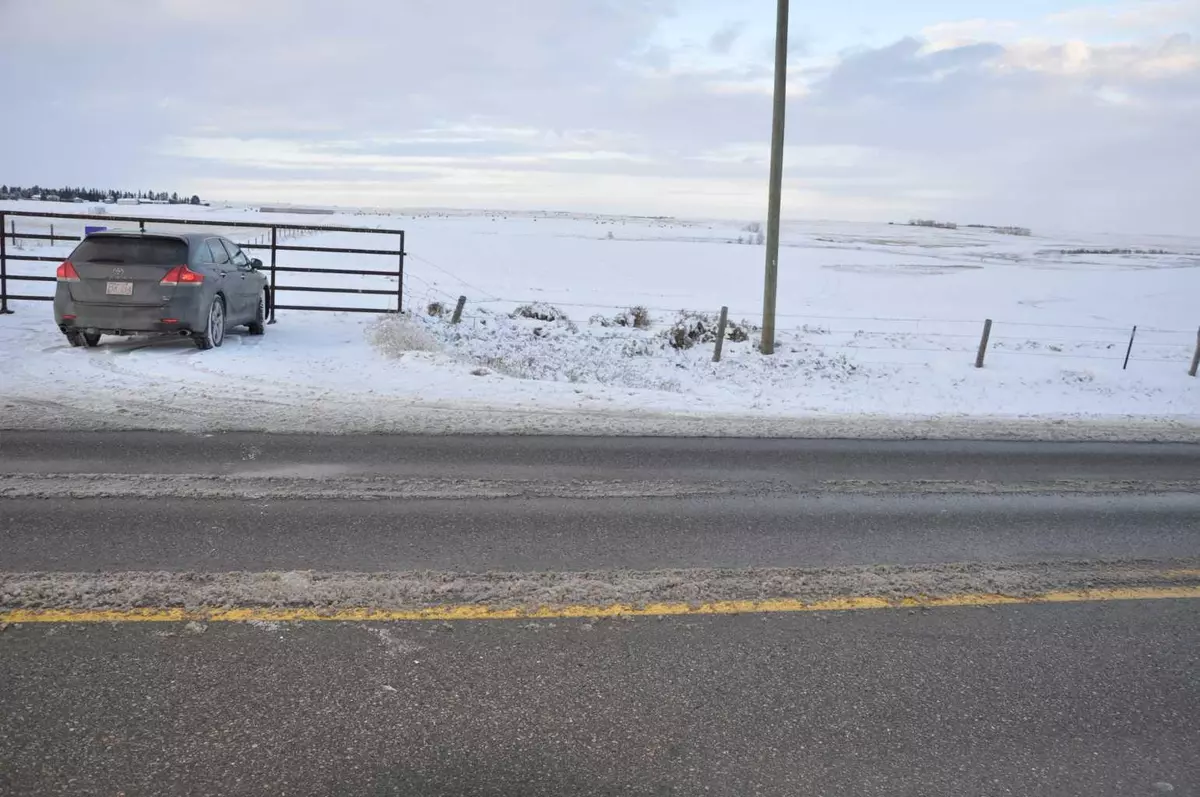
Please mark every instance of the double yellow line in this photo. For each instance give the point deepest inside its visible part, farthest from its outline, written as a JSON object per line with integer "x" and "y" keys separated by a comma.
{"x": 465, "y": 611}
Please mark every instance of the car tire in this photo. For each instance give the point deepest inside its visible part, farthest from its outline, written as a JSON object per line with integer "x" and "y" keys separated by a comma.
{"x": 75, "y": 338}
{"x": 91, "y": 339}
{"x": 259, "y": 325}
{"x": 213, "y": 334}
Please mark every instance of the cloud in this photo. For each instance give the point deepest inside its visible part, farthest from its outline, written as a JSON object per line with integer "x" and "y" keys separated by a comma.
{"x": 582, "y": 104}
{"x": 947, "y": 35}
{"x": 722, "y": 41}
{"x": 1141, "y": 17}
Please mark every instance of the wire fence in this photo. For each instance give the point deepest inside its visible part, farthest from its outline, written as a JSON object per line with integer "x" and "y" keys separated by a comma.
{"x": 903, "y": 340}
{"x": 897, "y": 339}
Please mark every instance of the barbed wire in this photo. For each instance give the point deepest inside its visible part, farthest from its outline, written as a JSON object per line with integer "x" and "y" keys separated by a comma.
{"x": 896, "y": 332}
{"x": 885, "y": 348}
{"x": 1027, "y": 338}
{"x": 431, "y": 287}
{"x": 998, "y": 321}
{"x": 445, "y": 271}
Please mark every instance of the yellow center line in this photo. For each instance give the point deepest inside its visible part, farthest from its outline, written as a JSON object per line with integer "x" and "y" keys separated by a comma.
{"x": 483, "y": 612}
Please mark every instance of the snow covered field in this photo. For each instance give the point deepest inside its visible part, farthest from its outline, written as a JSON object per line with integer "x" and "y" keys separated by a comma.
{"x": 877, "y": 334}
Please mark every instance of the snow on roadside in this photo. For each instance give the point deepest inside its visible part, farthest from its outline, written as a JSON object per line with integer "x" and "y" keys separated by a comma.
{"x": 626, "y": 357}
{"x": 801, "y": 378}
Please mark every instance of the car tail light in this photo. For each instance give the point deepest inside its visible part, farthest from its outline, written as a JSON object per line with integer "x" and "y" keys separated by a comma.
{"x": 181, "y": 275}
{"x": 68, "y": 318}
{"x": 67, "y": 272}
{"x": 170, "y": 320}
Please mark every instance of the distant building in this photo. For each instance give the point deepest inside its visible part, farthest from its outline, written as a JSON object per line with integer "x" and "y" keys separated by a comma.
{"x": 310, "y": 211}
{"x": 51, "y": 197}
{"x": 128, "y": 200}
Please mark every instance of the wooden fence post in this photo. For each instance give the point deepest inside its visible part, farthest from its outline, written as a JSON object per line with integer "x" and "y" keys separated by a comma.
{"x": 458, "y": 308}
{"x": 52, "y": 235}
{"x": 1195, "y": 356}
{"x": 720, "y": 334}
{"x": 1130, "y": 349}
{"x": 983, "y": 342}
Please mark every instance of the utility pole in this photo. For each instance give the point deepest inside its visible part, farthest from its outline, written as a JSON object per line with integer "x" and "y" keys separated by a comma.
{"x": 776, "y": 179}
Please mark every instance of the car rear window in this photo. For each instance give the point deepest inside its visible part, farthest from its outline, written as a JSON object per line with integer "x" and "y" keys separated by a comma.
{"x": 117, "y": 249}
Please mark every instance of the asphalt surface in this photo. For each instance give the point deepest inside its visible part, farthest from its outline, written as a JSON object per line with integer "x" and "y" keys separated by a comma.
{"x": 519, "y": 534}
{"x": 1050, "y": 699}
{"x": 1094, "y": 699}
{"x": 594, "y": 457}
{"x": 769, "y": 515}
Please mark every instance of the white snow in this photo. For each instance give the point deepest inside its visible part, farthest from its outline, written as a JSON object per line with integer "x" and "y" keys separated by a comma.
{"x": 877, "y": 334}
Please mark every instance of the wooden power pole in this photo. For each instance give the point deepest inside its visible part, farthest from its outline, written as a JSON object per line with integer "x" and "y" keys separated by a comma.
{"x": 775, "y": 189}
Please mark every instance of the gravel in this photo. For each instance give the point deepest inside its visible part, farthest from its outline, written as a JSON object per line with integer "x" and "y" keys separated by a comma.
{"x": 241, "y": 486}
{"x": 415, "y": 590}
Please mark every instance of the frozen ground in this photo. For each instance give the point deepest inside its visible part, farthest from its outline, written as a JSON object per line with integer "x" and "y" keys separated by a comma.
{"x": 877, "y": 334}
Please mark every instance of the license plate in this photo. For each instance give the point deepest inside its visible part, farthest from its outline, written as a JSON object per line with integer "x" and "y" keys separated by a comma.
{"x": 119, "y": 289}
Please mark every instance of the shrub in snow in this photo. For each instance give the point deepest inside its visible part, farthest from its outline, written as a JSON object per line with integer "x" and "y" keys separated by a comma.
{"x": 637, "y": 317}
{"x": 436, "y": 309}
{"x": 690, "y": 328}
{"x": 739, "y": 331}
{"x": 540, "y": 311}
{"x": 395, "y": 334}
{"x": 641, "y": 347}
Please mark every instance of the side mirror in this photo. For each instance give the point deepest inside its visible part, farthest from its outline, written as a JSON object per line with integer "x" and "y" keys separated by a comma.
{"x": 255, "y": 263}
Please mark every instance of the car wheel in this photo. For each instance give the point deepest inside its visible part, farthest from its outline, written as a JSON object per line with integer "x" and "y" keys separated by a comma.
{"x": 74, "y": 337}
{"x": 214, "y": 330}
{"x": 259, "y": 325}
{"x": 91, "y": 339}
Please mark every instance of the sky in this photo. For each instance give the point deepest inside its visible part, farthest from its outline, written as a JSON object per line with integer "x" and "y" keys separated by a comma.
{"x": 1068, "y": 114}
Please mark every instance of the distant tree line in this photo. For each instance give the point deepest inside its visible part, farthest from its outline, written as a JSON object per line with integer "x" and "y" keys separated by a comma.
{"x": 941, "y": 225}
{"x": 949, "y": 225}
{"x": 1006, "y": 230}
{"x": 71, "y": 193}
{"x": 1115, "y": 252}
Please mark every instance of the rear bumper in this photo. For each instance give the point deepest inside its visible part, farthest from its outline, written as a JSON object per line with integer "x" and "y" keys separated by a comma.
{"x": 139, "y": 328}
{"x": 179, "y": 315}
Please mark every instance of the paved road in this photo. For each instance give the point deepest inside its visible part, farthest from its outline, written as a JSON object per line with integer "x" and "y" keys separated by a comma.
{"x": 519, "y": 534}
{"x": 591, "y": 457}
{"x": 1093, "y": 698}
{"x": 741, "y": 503}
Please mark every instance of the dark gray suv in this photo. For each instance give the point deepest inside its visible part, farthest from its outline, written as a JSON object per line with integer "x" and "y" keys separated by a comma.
{"x": 195, "y": 285}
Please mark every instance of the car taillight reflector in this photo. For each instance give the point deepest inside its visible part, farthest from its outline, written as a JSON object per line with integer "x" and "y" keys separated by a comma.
{"x": 181, "y": 275}
{"x": 67, "y": 272}
{"x": 170, "y": 320}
